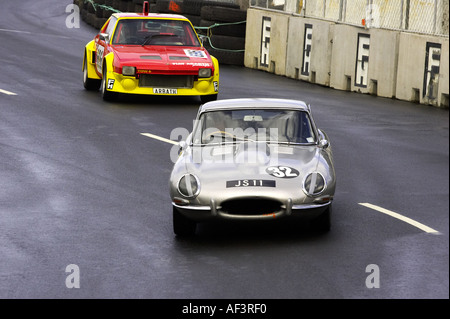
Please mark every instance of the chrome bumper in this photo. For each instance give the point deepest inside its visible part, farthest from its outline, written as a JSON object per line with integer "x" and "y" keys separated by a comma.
{"x": 213, "y": 211}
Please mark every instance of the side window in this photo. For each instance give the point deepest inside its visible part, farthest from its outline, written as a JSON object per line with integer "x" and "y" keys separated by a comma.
{"x": 110, "y": 28}
{"x": 190, "y": 35}
{"x": 305, "y": 133}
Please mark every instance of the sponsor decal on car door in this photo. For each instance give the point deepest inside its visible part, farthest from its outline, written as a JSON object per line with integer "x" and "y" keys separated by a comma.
{"x": 99, "y": 57}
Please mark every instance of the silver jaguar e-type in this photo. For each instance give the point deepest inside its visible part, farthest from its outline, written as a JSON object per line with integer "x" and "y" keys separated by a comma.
{"x": 253, "y": 159}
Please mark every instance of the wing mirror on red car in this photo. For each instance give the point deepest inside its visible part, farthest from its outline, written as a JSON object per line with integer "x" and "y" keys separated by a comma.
{"x": 104, "y": 37}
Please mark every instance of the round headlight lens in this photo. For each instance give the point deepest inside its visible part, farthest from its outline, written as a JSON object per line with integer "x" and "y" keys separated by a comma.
{"x": 189, "y": 185}
{"x": 314, "y": 184}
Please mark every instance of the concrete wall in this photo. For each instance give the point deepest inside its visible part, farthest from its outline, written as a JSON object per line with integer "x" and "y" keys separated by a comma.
{"x": 343, "y": 58}
{"x": 381, "y": 56}
{"x": 314, "y": 65}
{"x": 381, "y": 62}
{"x": 266, "y": 47}
{"x": 412, "y": 83}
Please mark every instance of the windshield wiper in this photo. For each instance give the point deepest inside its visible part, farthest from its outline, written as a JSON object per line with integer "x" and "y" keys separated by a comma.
{"x": 147, "y": 39}
{"x": 291, "y": 143}
{"x": 234, "y": 138}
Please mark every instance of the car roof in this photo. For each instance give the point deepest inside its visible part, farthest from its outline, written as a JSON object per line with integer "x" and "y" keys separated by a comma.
{"x": 258, "y": 103}
{"x": 148, "y": 16}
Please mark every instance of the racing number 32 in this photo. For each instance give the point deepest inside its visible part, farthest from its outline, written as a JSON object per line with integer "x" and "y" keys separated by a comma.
{"x": 282, "y": 171}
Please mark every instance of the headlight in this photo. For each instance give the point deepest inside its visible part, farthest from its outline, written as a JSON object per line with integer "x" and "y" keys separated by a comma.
{"x": 204, "y": 73}
{"x": 189, "y": 185}
{"x": 128, "y": 70}
{"x": 314, "y": 184}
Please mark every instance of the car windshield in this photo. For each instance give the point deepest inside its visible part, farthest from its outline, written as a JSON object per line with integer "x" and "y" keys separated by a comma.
{"x": 155, "y": 32}
{"x": 268, "y": 125}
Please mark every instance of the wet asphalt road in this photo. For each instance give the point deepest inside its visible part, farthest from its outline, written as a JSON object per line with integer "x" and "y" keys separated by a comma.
{"x": 80, "y": 185}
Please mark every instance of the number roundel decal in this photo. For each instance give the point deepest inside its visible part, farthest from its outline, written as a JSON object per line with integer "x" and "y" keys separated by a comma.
{"x": 282, "y": 171}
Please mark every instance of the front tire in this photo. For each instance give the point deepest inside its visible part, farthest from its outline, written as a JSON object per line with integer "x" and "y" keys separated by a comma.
{"x": 182, "y": 226}
{"x": 208, "y": 98}
{"x": 323, "y": 222}
{"x": 89, "y": 84}
{"x": 106, "y": 95}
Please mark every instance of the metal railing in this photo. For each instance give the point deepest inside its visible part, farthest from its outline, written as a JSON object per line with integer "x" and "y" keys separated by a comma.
{"x": 419, "y": 16}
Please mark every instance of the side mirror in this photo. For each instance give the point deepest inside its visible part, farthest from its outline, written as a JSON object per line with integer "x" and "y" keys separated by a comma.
{"x": 203, "y": 38}
{"x": 323, "y": 144}
{"x": 104, "y": 37}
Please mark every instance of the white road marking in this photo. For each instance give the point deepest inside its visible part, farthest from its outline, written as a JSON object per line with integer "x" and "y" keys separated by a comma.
{"x": 17, "y": 31}
{"x": 401, "y": 217}
{"x": 7, "y": 92}
{"x": 35, "y": 34}
{"x": 156, "y": 137}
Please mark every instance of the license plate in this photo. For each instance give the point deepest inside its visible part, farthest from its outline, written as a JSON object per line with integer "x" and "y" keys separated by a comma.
{"x": 251, "y": 183}
{"x": 165, "y": 91}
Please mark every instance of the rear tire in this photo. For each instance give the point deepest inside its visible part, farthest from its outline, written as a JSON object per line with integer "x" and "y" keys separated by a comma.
{"x": 183, "y": 226}
{"x": 89, "y": 84}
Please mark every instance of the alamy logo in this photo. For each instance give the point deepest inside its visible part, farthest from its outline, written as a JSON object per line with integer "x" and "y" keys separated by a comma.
{"x": 253, "y": 152}
{"x": 73, "y": 19}
{"x": 373, "y": 279}
{"x": 372, "y": 16}
{"x": 73, "y": 279}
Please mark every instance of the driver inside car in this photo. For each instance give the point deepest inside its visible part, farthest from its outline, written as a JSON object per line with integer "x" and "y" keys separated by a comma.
{"x": 126, "y": 33}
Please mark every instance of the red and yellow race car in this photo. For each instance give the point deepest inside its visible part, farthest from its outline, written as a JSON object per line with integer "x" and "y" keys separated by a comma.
{"x": 150, "y": 53}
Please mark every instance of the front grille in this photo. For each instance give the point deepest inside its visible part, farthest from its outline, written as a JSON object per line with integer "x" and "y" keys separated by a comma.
{"x": 251, "y": 206}
{"x": 166, "y": 81}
